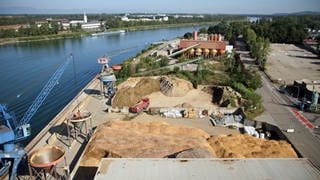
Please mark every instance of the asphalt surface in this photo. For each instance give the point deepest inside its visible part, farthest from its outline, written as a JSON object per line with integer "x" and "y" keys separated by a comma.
{"x": 279, "y": 112}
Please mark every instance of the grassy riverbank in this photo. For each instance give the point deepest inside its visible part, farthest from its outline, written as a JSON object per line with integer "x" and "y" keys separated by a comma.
{"x": 79, "y": 34}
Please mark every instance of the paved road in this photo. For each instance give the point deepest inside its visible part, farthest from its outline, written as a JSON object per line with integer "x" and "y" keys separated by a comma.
{"x": 278, "y": 111}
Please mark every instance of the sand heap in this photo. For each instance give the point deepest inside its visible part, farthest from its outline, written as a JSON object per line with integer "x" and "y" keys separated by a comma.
{"x": 128, "y": 95}
{"x": 174, "y": 87}
{"x": 246, "y": 146}
{"x": 134, "y": 89}
{"x": 146, "y": 140}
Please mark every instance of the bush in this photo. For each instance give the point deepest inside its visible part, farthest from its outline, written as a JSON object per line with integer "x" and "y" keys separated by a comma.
{"x": 176, "y": 70}
{"x": 253, "y": 99}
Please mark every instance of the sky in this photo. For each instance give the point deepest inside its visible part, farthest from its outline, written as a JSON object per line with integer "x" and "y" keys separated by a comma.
{"x": 157, "y": 6}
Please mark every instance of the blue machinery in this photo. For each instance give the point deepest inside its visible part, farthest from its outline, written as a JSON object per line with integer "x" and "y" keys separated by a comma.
{"x": 12, "y": 131}
{"x": 107, "y": 78}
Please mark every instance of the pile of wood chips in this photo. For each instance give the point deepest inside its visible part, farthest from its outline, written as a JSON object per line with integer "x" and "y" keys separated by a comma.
{"x": 157, "y": 139}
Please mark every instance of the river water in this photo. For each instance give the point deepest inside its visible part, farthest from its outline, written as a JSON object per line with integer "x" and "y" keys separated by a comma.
{"x": 26, "y": 67}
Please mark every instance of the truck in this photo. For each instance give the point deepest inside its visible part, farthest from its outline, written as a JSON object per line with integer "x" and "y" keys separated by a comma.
{"x": 139, "y": 106}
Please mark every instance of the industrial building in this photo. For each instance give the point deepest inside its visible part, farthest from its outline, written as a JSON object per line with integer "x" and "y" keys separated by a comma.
{"x": 84, "y": 24}
{"x": 253, "y": 168}
{"x": 210, "y": 47}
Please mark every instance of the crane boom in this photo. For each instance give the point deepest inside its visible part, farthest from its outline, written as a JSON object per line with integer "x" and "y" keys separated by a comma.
{"x": 44, "y": 93}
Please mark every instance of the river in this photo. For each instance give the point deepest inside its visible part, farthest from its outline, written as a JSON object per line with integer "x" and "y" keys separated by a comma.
{"x": 26, "y": 67}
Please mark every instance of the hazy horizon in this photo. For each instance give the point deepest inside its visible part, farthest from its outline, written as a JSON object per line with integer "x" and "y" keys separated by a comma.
{"x": 164, "y": 6}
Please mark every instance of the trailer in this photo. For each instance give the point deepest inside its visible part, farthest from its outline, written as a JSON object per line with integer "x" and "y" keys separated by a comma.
{"x": 139, "y": 106}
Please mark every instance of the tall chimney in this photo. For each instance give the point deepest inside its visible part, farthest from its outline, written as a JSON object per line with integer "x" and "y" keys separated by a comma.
{"x": 85, "y": 19}
{"x": 195, "y": 35}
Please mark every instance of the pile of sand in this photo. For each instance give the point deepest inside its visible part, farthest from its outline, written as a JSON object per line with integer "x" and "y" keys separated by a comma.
{"x": 134, "y": 89}
{"x": 246, "y": 146}
{"x": 145, "y": 140}
{"x": 177, "y": 87}
{"x": 129, "y": 95}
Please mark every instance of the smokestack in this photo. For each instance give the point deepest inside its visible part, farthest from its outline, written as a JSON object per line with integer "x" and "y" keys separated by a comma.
{"x": 195, "y": 35}
{"x": 85, "y": 18}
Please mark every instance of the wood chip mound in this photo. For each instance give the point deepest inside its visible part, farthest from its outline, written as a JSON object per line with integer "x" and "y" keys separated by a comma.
{"x": 129, "y": 96}
{"x": 134, "y": 89}
{"x": 246, "y": 146}
{"x": 144, "y": 140}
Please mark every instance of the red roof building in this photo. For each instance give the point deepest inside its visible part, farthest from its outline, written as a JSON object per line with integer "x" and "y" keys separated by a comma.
{"x": 212, "y": 46}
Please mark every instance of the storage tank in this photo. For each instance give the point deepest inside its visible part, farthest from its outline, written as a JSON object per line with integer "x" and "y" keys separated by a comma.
{"x": 206, "y": 52}
{"x": 222, "y": 51}
{"x": 191, "y": 51}
{"x": 213, "y": 52}
{"x": 199, "y": 51}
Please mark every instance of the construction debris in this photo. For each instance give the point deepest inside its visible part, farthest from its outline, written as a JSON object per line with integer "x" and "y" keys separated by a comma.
{"x": 224, "y": 96}
{"x": 232, "y": 118}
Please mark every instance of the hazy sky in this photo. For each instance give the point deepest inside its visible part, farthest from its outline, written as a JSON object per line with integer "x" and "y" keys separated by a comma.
{"x": 170, "y": 6}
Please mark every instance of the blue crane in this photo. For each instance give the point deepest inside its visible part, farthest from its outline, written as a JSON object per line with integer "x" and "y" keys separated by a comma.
{"x": 12, "y": 131}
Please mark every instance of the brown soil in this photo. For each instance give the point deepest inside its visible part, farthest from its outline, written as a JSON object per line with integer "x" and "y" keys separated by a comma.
{"x": 246, "y": 146}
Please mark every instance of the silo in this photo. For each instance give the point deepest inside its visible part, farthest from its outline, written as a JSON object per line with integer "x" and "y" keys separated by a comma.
{"x": 206, "y": 52}
{"x": 222, "y": 52}
{"x": 215, "y": 37}
{"x": 191, "y": 52}
{"x": 199, "y": 52}
{"x": 219, "y": 37}
{"x": 213, "y": 52}
{"x": 212, "y": 37}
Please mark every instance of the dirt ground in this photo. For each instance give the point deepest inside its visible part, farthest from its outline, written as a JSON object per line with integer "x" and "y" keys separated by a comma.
{"x": 195, "y": 97}
{"x": 132, "y": 90}
{"x": 203, "y": 124}
{"x": 289, "y": 62}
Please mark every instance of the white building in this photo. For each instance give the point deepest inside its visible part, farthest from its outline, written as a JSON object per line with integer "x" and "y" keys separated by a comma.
{"x": 145, "y": 18}
{"x": 84, "y": 24}
{"x": 92, "y": 25}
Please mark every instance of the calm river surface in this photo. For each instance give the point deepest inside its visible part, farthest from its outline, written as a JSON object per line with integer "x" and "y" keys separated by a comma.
{"x": 26, "y": 67}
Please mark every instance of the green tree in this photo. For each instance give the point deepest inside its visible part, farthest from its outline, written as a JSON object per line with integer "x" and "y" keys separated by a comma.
{"x": 261, "y": 51}
{"x": 250, "y": 37}
{"x": 187, "y": 35}
{"x": 203, "y": 30}
{"x": 164, "y": 61}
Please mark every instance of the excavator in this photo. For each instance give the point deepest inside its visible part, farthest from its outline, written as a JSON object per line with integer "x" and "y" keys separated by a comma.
{"x": 13, "y": 131}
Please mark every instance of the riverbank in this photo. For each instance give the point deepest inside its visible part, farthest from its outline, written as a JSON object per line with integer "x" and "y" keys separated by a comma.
{"x": 4, "y": 41}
